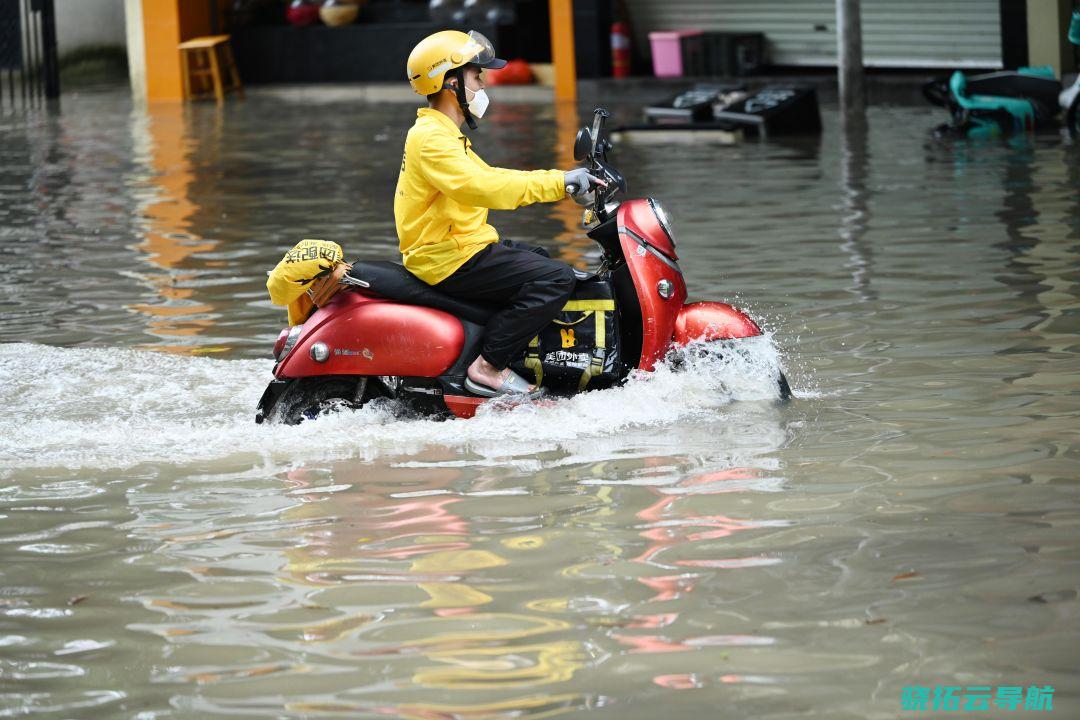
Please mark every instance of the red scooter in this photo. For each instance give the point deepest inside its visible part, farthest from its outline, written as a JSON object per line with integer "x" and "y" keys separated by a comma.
{"x": 390, "y": 335}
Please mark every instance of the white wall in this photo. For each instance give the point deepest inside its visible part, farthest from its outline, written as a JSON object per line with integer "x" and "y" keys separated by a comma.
{"x": 89, "y": 22}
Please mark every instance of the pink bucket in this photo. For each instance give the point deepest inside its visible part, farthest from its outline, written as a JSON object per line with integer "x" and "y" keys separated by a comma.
{"x": 667, "y": 51}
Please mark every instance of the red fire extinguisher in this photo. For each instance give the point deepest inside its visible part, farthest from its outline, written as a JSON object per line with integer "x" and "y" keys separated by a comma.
{"x": 620, "y": 50}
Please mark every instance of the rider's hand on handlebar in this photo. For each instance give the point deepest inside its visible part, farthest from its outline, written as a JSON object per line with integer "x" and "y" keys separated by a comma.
{"x": 579, "y": 181}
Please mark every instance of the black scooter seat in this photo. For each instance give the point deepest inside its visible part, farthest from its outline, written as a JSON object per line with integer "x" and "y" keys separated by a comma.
{"x": 1009, "y": 83}
{"x": 393, "y": 281}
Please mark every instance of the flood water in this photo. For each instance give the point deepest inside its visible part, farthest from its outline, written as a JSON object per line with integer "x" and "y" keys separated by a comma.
{"x": 682, "y": 547}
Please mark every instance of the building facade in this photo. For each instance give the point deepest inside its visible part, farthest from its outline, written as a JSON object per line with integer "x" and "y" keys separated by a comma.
{"x": 896, "y": 33}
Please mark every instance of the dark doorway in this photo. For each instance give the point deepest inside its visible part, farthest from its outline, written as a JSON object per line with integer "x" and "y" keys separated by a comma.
{"x": 29, "y": 71}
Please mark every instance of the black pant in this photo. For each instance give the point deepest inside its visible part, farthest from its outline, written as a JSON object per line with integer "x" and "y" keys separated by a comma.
{"x": 532, "y": 287}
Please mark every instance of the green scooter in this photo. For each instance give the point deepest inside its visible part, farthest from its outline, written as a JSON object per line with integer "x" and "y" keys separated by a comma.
{"x": 1007, "y": 101}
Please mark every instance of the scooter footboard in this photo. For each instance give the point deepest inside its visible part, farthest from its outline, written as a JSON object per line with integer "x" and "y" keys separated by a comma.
{"x": 712, "y": 321}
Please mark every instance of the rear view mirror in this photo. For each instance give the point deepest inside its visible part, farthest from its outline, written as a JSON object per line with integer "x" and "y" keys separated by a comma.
{"x": 582, "y": 144}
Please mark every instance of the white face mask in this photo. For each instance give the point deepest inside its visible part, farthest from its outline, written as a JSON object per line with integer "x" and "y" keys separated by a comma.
{"x": 479, "y": 103}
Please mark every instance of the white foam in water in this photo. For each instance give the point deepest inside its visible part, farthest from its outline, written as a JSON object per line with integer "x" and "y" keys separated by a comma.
{"x": 116, "y": 408}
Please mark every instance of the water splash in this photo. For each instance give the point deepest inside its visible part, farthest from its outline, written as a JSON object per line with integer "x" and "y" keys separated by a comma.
{"x": 117, "y": 408}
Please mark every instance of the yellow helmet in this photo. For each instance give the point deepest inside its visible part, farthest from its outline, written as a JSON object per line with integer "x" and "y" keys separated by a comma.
{"x": 436, "y": 55}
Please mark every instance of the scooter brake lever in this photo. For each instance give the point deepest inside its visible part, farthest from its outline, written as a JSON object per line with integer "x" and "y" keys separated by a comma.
{"x": 348, "y": 279}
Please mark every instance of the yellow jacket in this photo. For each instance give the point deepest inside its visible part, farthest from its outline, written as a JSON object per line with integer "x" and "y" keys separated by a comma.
{"x": 444, "y": 192}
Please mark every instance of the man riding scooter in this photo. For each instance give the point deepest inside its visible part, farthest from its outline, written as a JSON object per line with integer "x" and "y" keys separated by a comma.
{"x": 441, "y": 204}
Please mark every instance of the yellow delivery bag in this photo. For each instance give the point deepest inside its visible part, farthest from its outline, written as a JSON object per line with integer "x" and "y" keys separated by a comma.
{"x": 289, "y": 281}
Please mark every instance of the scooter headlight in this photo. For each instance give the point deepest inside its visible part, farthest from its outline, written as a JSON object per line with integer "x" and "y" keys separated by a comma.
{"x": 662, "y": 218}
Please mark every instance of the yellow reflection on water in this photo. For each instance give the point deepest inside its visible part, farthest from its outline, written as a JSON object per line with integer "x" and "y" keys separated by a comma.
{"x": 515, "y": 666}
{"x": 399, "y": 546}
{"x": 163, "y": 140}
{"x": 447, "y": 596}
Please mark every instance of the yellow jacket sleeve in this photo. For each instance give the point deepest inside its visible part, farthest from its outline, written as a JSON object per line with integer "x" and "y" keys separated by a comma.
{"x": 453, "y": 173}
{"x": 500, "y": 170}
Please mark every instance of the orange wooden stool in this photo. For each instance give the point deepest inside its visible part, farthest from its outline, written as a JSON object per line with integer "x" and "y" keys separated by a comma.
{"x": 205, "y": 63}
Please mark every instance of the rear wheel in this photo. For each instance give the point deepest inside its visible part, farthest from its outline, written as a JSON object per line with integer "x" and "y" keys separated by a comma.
{"x": 308, "y": 398}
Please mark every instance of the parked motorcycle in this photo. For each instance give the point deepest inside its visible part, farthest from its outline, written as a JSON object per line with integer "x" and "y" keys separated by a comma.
{"x": 1007, "y": 101}
{"x": 390, "y": 335}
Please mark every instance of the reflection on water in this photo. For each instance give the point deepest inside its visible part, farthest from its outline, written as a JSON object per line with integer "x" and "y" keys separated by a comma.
{"x": 855, "y": 218}
{"x": 427, "y": 573}
{"x": 680, "y": 547}
{"x": 163, "y": 142}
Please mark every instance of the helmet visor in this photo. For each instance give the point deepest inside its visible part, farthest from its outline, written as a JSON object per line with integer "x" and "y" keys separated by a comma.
{"x": 479, "y": 50}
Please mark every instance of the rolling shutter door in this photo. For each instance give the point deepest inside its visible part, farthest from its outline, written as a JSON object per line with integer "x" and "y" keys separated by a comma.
{"x": 911, "y": 33}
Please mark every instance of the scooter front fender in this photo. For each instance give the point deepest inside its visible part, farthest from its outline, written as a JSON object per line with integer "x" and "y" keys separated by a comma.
{"x": 712, "y": 321}
{"x": 270, "y": 398}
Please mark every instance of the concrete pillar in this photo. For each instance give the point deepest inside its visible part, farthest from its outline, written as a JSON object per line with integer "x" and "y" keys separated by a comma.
{"x": 849, "y": 58}
{"x": 136, "y": 49}
{"x": 1048, "y": 27}
{"x": 561, "y": 14}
